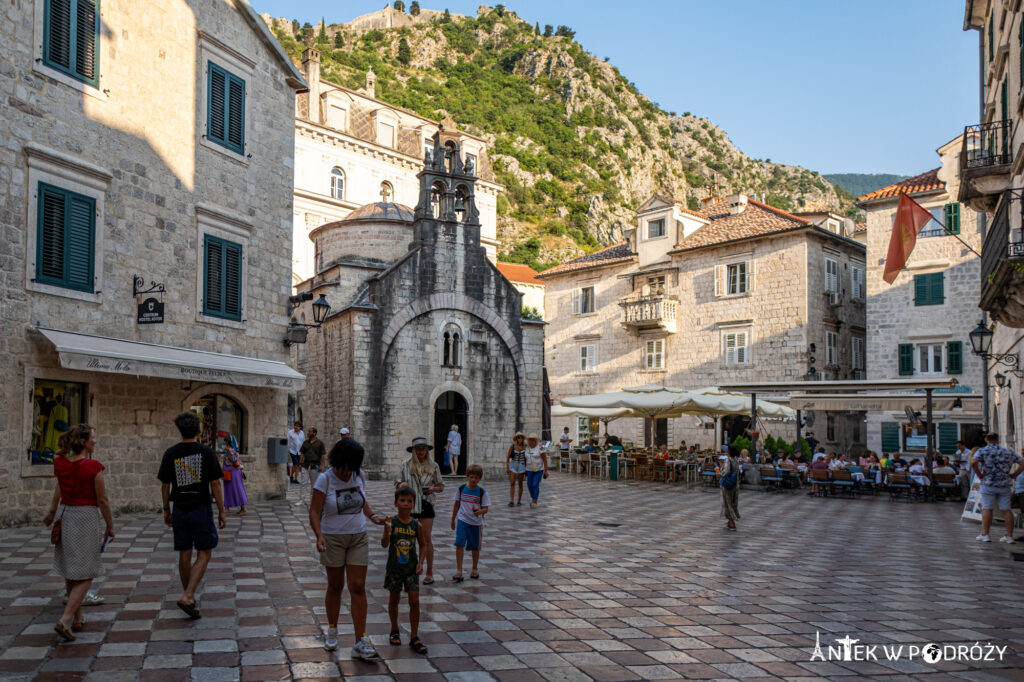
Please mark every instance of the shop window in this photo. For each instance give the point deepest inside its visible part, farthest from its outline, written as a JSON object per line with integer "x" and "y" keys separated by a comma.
{"x": 56, "y": 406}
{"x": 219, "y": 417}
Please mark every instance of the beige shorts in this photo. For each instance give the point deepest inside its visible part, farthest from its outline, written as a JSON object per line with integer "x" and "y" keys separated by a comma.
{"x": 346, "y": 550}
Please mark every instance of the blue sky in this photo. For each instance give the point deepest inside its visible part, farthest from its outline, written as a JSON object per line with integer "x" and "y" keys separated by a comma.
{"x": 861, "y": 87}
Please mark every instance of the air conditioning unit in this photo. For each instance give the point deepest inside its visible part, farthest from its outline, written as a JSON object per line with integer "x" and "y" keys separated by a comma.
{"x": 834, "y": 298}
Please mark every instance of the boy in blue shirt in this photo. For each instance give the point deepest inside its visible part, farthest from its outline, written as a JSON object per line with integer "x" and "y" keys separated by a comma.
{"x": 471, "y": 503}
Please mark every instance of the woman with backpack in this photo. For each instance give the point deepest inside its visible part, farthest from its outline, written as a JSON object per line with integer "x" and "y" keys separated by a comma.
{"x": 729, "y": 482}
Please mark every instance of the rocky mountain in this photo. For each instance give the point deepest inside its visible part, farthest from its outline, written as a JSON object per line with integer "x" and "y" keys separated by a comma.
{"x": 859, "y": 184}
{"x": 577, "y": 147}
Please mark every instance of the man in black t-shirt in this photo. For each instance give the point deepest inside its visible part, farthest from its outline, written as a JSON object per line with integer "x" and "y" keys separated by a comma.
{"x": 191, "y": 478}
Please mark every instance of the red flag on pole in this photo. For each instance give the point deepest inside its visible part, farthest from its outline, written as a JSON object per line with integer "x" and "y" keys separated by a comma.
{"x": 910, "y": 218}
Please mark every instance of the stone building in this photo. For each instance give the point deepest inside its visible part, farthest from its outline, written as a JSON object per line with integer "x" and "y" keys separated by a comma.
{"x": 525, "y": 279}
{"x": 918, "y": 326}
{"x": 142, "y": 144}
{"x": 992, "y": 182}
{"x": 425, "y": 330}
{"x": 738, "y": 291}
{"x": 351, "y": 150}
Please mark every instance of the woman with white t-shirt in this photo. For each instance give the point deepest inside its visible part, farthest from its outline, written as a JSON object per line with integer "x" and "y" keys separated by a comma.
{"x": 337, "y": 514}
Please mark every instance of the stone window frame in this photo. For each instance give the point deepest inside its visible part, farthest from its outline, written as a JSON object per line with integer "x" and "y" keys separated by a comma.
{"x": 338, "y": 171}
{"x": 650, "y": 223}
{"x": 735, "y": 331}
{"x": 858, "y": 284}
{"x": 39, "y": 64}
{"x": 656, "y": 354}
{"x": 389, "y": 118}
{"x": 587, "y": 359}
{"x": 332, "y": 102}
{"x": 722, "y": 275}
{"x": 858, "y": 353}
{"x": 66, "y": 172}
{"x": 831, "y": 282}
{"x": 94, "y": 405}
{"x": 216, "y": 222}
{"x": 931, "y": 345}
{"x": 578, "y": 298}
{"x": 452, "y": 338}
{"x": 239, "y": 65}
{"x": 831, "y": 347}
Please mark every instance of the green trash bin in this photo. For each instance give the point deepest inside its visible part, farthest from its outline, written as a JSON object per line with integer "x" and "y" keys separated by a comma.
{"x": 613, "y": 466}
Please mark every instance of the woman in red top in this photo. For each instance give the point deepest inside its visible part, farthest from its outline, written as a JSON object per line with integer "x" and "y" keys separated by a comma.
{"x": 83, "y": 495}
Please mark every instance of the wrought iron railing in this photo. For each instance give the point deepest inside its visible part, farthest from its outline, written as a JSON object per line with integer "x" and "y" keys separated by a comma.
{"x": 1005, "y": 238}
{"x": 987, "y": 144}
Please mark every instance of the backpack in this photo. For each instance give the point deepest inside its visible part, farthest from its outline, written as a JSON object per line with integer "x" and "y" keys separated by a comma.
{"x": 729, "y": 481}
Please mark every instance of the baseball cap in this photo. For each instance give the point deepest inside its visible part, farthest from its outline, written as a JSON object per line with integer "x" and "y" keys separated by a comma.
{"x": 344, "y": 431}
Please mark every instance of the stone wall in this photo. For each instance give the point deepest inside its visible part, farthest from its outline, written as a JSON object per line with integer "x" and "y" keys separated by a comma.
{"x": 137, "y": 144}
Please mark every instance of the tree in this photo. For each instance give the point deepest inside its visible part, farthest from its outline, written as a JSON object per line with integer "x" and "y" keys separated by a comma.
{"x": 565, "y": 32}
{"x": 399, "y": 5}
{"x": 414, "y": 8}
{"x": 499, "y": 10}
{"x": 531, "y": 313}
{"x": 321, "y": 37}
{"x": 339, "y": 41}
{"x": 295, "y": 25}
{"x": 307, "y": 34}
{"x": 404, "y": 52}
{"x": 548, "y": 30}
{"x": 446, "y": 18}
{"x": 536, "y": 28}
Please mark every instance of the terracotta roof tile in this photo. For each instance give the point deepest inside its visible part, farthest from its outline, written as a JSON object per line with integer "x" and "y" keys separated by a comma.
{"x": 925, "y": 182}
{"x": 514, "y": 272}
{"x": 616, "y": 253}
{"x": 756, "y": 220}
{"x": 681, "y": 205}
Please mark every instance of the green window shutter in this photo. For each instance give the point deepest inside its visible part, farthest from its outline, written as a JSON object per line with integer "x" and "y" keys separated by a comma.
{"x": 906, "y": 356}
{"x": 920, "y": 290}
{"x": 937, "y": 294}
{"x": 951, "y": 216}
{"x": 65, "y": 238}
{"x": 890, "y": 436}
{"x": 948, "y": 436}
{"x": 954, "y": 357}
{"x": 225, "y": 109}
{"x": 71, "y": 36}
{"x": 222, "y": 279}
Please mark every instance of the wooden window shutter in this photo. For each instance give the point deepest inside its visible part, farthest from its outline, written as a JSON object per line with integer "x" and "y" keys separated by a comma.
{"x": 906, "y": 359}
{"x": 217, "y": 104}
{"x": 233, "y": 280}
{"x": 57, "y": 49}
{"x": 80, "y": 227}
{"x": 949, "y": 433}
{"x": 936, "y": 288}
{"x": 952, "y": 217}
{"x": 920, "y": 290}
{"x": 890, "y": 436}
{"x": 720, "y": 277}
{"x": 50, "y": 238}
{"x": 213, "y": 299}
{"x": 576, "y": 295}
{"x": 750, "y": 275}
{"x": 954, "y": 357}
{"x": 86, "y": 39}
{"x": 236, "y": 114}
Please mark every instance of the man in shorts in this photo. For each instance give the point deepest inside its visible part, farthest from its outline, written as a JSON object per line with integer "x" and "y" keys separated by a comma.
{"x": 191, "y": 478}
{"x": 996, "y": 466}
{"x": 295, "y": 440}
{"x": 314, "y": 461}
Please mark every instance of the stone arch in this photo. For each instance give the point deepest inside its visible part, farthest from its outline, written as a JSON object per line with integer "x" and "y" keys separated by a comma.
{"x": 232, "y": 392}
{"x": 457, "y": 301}
{"x": 456, "y": 386}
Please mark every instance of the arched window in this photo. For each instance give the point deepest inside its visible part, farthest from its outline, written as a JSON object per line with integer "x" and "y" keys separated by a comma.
{"x": 337, "y": 183}
{"x": 387, "y": 192}
{"x": 451, "y": 345}
{"x": 449, "y": 155}
{"x": 219, "y": 417}
{"x": 436, "y": 199}
{"x": 461, "y": 203}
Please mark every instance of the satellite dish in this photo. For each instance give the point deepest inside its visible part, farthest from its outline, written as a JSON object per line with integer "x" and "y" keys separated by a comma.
{"x": 912, "y": 416}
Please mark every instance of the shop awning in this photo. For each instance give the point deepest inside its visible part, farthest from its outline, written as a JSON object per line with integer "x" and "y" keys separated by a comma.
{"x": 879, "y": 402}
{"x": 117, "y": 356}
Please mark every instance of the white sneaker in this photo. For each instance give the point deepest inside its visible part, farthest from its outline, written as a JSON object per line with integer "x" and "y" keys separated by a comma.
{"x": 982, "y": 538}
{"x": 331, "y": 639}
{"x": 364, "y": 650}
{"x": 533, "y": 505}
{"x": 1008, "y": 539}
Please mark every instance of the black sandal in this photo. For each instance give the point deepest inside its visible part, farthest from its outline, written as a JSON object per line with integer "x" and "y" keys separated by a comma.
{"x": 457, "y": 578}
{"x": 474, "y": 576}
{"x": 416, "y": 645}
{"x": 396, "y": 637}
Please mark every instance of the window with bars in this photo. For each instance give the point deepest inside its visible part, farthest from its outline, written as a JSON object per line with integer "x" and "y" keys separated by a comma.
{"x": 225, "y": 108}
{"x": 65, "y": 238}
{"x": 71, "y": 38}
{"x": 654, "y": 354}
{"x": 222, "y": 278}
{"x": 737, "y": 351}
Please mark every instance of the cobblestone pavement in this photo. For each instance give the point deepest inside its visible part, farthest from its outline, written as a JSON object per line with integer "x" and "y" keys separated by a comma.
{"x": 664, "y": 594}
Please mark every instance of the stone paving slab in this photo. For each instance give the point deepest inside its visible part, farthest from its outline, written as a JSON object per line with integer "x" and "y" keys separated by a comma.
{"x": 665, "y": 594}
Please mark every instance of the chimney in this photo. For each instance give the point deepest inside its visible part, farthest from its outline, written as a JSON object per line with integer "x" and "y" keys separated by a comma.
{"x": 371, "y": 83}
{"x": 311, "y": 70}
{"x": 709, "y": 201}
{"x": 737, "y": 202}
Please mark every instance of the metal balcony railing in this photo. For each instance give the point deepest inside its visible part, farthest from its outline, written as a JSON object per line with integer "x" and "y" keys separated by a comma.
{"x": 986, "y": 145}
{"x": 1005, "y": 238}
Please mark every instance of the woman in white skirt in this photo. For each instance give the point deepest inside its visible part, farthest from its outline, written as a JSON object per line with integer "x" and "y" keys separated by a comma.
{"x": 81, "y": 537}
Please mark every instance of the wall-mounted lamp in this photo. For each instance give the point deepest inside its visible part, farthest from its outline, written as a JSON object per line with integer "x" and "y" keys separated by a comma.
{"x": 297, "y": 331}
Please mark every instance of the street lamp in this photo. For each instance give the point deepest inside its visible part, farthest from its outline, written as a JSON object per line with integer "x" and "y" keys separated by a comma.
{"x": 981, "y": 345}
{"x": 1000, "y": 380}
{"x": 297, "y": 331}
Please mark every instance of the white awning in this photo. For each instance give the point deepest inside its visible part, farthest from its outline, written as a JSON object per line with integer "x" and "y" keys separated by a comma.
{"x": 879, "y": 402}
{"x": 117, "y": 356}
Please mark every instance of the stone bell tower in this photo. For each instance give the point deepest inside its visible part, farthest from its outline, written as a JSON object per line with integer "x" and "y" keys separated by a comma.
{"x": 446, "y": 211}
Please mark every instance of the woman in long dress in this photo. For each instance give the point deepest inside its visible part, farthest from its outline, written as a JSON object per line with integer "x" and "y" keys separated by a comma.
{"x": 84, "y": 511}
{"x": 730, "y": 496}
{"x": 421, "y": 473}
{"x": 234, "y": 481}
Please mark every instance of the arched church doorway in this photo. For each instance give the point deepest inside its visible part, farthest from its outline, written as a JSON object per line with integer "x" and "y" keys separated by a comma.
{"x": 450, "y": 408}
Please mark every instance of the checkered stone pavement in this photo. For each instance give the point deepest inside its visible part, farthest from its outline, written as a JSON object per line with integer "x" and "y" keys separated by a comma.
{"x": 660, "y": 592}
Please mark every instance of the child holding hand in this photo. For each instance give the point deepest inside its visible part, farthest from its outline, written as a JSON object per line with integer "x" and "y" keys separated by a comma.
{"x": 401, "y": 536}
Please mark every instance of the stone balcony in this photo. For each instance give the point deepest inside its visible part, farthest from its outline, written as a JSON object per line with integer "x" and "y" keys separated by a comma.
{"x": 648, "y": 313}
{"x": 1002, "y": 262}
{"x": 986, "y": 158}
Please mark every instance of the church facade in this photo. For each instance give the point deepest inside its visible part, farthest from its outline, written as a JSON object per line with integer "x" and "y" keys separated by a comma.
{"x": 425, "y": 331}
